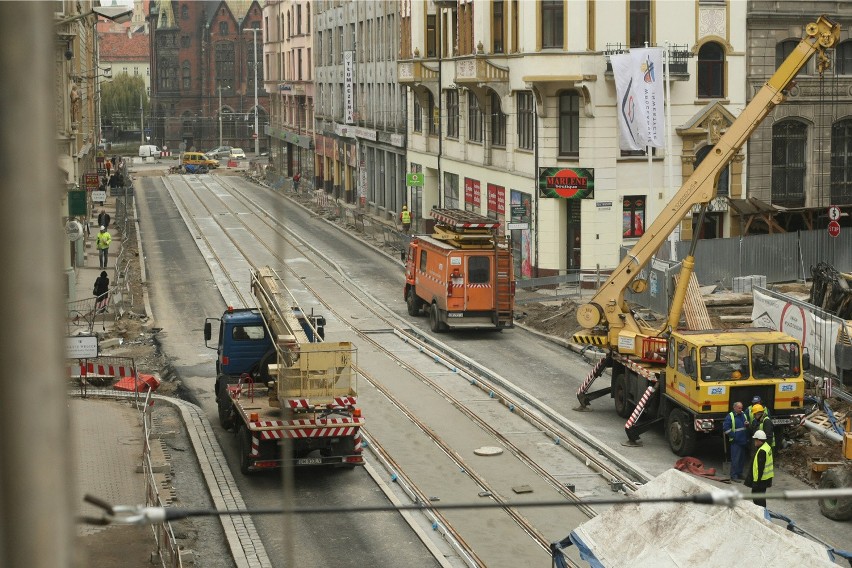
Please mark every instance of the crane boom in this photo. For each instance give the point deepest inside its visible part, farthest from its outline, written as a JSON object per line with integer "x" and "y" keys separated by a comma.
{"x": 607, "y": 309}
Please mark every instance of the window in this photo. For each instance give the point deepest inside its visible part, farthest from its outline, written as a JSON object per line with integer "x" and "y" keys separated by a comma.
{"x": 248, "y": 332}
{"x": 223, "y": 28}
{"x": 431, "y": 36}
{"x": 640, "y": 23}
{"x": 711, "y": 71}
{"x": 686, "y": 363}
{"x": 452, "y": 113}
{"x": 474, "y": 118}
{"x": 497, "y": 26}
{"x": 498, "y": 121}
{"x": 724, "y": 178}
{"x": 841, "y": 163}
{"x": 187, "y": 76}
{"x": 434, "y": 121}
{"x": 843, "y": 55}
{"x": 184, "y": 41}
{"x": 225, "y": 63}
{"x": 783, "y": 49}
{"x": 422, "y": 260}
{"x": 569, "y": 124}
{"x": 775, "y": 361}
{"x": 478, "y": 270}
{"x": 788, "y": 163}
{"x": 724, "y": 362}
{"x": 552, "y": 23}
{"x": 633, "y": 211}
{"x": 526, "y": 120}
{"x": 184, "y": 12}
{"x": 451, "y": 190}
{"x": 418, "y": 115}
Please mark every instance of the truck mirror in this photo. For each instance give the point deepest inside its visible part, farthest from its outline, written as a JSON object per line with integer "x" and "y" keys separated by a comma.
{"x": 806, "y": 361}
{"x": 208, "y": 331}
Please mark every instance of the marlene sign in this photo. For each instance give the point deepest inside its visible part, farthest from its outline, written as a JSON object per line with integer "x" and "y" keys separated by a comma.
{"x": 567, "y": 183}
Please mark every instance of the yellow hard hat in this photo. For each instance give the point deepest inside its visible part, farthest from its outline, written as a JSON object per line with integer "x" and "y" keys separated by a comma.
{"x": 736, "y": 375}
{"x": 756, "y": 408}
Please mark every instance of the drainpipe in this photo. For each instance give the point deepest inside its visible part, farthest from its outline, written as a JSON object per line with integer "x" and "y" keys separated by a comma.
{"x": 535, "y": 179}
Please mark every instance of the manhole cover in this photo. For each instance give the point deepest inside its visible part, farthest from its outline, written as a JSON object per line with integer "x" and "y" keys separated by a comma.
{"x": 488, "y": 451}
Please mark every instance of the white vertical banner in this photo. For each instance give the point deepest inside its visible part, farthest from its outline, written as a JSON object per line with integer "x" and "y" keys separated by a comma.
{"x": 348, "y": 86}
{"x": 631, "y": 120}
{"x": 640, "y": 106}
{"x": 648, "y": 66}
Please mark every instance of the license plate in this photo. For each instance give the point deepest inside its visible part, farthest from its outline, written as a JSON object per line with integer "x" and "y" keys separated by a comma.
{"x": 309, "y": 461}
{"x": 455, "y": 315}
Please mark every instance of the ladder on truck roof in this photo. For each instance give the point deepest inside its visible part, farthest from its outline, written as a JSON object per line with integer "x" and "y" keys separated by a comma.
{"x": 464, "y": 229}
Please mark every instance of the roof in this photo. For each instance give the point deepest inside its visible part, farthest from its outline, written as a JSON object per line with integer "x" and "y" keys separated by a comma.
{"x": 120, "y": 47}
{"x": 713, "y": 337}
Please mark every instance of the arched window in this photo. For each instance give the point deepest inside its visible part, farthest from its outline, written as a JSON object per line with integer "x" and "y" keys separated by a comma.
{"x": 841, "y": 162}
{"x": 789, "y": 142}
{"x": 223, "y": 28}
{"x": 474, "y": 118}
{"x": 569, "y": 123}
{"x": 844, "y": 58}
{"x": 711, "y": 71}
{"x": 783, "y": 49}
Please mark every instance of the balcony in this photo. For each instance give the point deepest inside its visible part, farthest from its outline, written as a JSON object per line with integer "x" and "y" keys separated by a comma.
{"x": 478, "y": 69}
{"x": 414, "y": 72}
{"x": 678, "y": 63}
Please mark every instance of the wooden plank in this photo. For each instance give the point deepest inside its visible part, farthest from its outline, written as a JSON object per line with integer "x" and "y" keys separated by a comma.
{"x": 694, "y": 309}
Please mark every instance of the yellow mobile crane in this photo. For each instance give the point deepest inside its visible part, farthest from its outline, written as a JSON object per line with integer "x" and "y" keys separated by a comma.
{"x": 689, "y": 379}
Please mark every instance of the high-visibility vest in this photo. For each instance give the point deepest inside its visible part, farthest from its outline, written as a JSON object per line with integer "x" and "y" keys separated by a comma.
{"x": 406, "y": 217}
{"x": 104, "y": 239}
{"x": 733, "y": 426}
{"x": 768, "y": 468}
{"x": 760, "y": 427}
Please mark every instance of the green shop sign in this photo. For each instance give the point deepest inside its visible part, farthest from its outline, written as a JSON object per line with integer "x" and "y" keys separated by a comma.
{"x": 567, "y": 183}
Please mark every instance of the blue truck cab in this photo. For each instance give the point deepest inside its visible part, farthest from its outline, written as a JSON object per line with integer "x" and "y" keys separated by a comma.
{"x": 244, "y": 344}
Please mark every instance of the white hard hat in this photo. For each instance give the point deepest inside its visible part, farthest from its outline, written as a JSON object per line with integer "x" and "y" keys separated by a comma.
{"x": 759, "y": 435}
{"x": 103, "y": 228}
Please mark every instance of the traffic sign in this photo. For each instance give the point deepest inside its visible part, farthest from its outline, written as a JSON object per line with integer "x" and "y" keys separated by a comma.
{"x": 414, "y": 179}
{"x": 834, "y": 228}
{"x": 834, "y": 212}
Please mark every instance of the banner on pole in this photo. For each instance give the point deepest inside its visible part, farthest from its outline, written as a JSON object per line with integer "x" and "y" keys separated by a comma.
{"x": 640, "y": 104}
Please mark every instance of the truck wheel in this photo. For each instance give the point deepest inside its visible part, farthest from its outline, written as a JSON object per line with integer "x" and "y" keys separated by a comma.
{"x": 619, "y": 394}
{"x": 414, "y": 303}
{"x": 435, "y": 323}
{"x": 682, "y": 437}
{"x": 226, "y": 418}
{"x": 245, "y": 449}
{"x": 836, "y": 509}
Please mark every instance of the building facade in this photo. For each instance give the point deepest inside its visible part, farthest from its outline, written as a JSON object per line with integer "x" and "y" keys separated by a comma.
{"x": 360, "y": 119}
{"x": 508, "y": 96}
{"x": 800, "y": 158}
{"x": 288, "y": 69}
{"x": 203, "y": 72}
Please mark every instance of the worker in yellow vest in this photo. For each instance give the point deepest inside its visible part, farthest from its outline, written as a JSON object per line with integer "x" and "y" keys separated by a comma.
{"x": 405, "y": 218}
{"x": 762, "y": 468}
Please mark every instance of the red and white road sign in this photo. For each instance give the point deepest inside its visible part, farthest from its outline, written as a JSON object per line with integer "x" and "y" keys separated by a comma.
{"x": 834, "y": 212}
{"x": 834, "y": 228}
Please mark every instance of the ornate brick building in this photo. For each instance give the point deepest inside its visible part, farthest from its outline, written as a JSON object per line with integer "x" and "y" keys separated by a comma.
{"x": 203, "y": 74}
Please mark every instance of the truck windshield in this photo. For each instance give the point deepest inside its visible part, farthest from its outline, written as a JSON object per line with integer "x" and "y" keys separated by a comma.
{"x": 724, "y": 362}
{"x": 775, "y": 360}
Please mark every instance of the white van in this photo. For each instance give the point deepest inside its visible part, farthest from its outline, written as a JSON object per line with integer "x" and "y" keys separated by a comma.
{"x": 149, "y": 151}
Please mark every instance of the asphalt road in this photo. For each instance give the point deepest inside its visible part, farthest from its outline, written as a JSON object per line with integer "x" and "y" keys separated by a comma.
{"x": 183, "y": 294}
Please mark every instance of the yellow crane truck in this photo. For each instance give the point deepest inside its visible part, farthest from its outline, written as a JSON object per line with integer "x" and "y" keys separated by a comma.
{"x": 289, "y": 395}
{"x": 690, "y": 379}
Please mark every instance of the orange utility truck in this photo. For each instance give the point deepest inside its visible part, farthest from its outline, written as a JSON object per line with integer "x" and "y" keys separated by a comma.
{"x": 462, "y": 274}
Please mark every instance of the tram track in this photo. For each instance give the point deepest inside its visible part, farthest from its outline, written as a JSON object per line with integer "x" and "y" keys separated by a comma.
{"x": 401, "y": 344}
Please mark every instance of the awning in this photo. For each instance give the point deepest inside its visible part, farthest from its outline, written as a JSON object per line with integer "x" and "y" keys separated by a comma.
{"x": 84, "y": 151}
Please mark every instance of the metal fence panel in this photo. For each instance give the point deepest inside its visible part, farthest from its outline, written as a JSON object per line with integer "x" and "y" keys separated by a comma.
{"x": 774, "y": 256}
{"x": 818, "y": 246}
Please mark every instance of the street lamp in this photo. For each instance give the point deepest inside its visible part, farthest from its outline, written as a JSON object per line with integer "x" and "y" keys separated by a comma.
{"x": 256, "y": 133}
{"x": 118, "y": 14}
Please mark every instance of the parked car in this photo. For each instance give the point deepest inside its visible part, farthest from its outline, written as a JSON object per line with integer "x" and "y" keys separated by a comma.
{"x": 198, "y": 159}
{"x": 237, "y": 154}
{"x": 220, "y": 152}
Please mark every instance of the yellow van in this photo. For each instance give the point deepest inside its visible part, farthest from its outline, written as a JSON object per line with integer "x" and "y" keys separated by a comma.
{"x": 198, "y": 159}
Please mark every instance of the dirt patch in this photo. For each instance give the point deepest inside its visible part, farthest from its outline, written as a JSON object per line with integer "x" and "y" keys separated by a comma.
{"x": 556, "y": 318}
